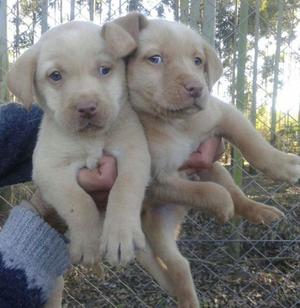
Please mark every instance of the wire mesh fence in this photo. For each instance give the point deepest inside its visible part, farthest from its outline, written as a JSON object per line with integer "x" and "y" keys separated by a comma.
{"x": 236, "y": 264}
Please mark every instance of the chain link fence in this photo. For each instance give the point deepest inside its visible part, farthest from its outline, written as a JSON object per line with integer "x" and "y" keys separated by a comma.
{"x": 233, "y": 265}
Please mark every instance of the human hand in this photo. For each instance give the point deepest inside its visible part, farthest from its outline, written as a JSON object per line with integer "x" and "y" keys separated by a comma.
{"x": 207, "y": 153}
{"x": 96, "y": 182}
{"x": 99, "y": 181}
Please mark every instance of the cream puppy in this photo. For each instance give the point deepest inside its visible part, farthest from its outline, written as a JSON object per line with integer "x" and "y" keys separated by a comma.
{"x": 77, "y": 75}
{"x": 170, "y": 77}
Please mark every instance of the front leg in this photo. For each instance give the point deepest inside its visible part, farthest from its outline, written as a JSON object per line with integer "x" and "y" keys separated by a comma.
{"x": 60, "y": 189}
{"x": 122, "y": 231}
{"x": 274, "y": 163}
{"x": 207, "y": 196}
{"x": 162, "y": 259}
{"x": 254, "y": 212}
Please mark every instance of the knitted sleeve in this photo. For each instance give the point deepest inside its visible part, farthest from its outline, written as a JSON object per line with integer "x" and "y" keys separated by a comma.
{"x": 32, "y": 256}
{"x": 18, "y": 135}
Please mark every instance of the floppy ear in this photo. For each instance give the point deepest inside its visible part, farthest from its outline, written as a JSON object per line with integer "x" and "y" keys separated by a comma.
{"x": 120, "y": 42}
{"x": 122, "y": 34}
{"x": 21, "y": 76}
{"x": 133, "y": 23}
{"x": 213, "y": 65}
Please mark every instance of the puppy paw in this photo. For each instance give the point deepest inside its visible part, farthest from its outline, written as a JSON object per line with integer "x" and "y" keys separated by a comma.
{"x": 85, "y": 245}
{"x": 92, "y": 162}
{"x": 223, "y": 207}
{"x": 285, "y": 167}
{"x": 119, "y": 241}
{"x": 263, "y": 214}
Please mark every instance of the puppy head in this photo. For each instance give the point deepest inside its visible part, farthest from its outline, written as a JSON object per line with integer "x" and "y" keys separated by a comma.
{"x": 76, "y": 73}
{"x": 172, "y": 71}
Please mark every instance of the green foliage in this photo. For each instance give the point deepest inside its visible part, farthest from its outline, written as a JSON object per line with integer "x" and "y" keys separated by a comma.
{"x": 30, "y": 6}
{"x": 269, "y": 11}
{"x": 287, "y": 129}
{"x": 268, "y": 66}
{"x": 225, "y": 28}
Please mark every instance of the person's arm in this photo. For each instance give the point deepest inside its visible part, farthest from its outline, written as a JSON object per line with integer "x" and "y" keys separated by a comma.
{"x": 32, "y": 256}
{"x": 18, "y": 135}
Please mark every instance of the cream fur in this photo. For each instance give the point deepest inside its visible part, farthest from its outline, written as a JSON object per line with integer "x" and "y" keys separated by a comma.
{"x": 67, "y": 142}
{"x": 175, "y": 124}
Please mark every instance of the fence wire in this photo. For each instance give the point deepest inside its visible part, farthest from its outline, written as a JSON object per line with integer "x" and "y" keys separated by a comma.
{"x": 233, "y": 265}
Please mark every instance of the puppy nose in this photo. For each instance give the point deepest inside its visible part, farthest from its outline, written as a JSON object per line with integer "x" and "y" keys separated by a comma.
{"x": 193, "y": 89}
{"x": 87, "y": 109}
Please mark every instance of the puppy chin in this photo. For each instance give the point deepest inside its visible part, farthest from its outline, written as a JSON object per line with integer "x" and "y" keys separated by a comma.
{"x": 90, "y": 127}
{"x": 174, "y": 112}
{"x": 83, "y": 125}
{"x": 201, "y": 102}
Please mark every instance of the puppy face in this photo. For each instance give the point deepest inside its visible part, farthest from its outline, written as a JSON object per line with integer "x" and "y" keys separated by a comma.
{"x": 76, "y": 73}
{"x": 173, "y": 70}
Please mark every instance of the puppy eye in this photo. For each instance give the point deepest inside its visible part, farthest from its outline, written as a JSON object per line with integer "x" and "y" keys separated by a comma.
{"x": 198, "y": 61}
{"x": 104, "y": 70}
{"x": 156, "y": 59}
{"x": 55, "y": 76}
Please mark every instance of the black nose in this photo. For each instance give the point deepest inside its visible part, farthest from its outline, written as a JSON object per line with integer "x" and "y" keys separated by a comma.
{"x": 87, "y": 109}
{"x": 193, "y": 90}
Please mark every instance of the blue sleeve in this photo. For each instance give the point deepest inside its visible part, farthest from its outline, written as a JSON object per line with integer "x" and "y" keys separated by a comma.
{"x": 18, "y": 135}
{"x": 32, "y": 257}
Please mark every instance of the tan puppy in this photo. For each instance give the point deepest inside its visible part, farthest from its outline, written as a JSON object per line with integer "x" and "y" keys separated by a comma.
{"x": 77, "y": 75}
{"x": 170, "y": 77}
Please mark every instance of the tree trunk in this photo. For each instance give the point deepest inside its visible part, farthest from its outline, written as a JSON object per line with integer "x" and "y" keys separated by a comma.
{"x": 240, "y": 82}
{"x": 254, "y": 80}
{"x": 17, "y": 40}
{"x": 72, "y": 10}
{"x": 298, "y": 128}
{"x": 195, "y": 15}
{"x": 176, "y": 10}
{"x": 276, "y": 72}
{"x": 3, "y": 52}
{"x": 184, "y": 11}
{"x": 100, "y": 12}
{"x": 234, "y": 249}
{"x": 233, "y": 88}
{"x": 44, "y": 19}
{"x": 61, "y": 11}
{"x": 91, "y": 9}
{"x": 109, "y": 10}
{"x": 209, "y": 21}
{"x": 34, "y": 22}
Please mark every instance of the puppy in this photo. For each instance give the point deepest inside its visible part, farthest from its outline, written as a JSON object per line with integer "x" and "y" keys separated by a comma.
{"x": 170, "y": 77}
{"x": 77, "y": 75}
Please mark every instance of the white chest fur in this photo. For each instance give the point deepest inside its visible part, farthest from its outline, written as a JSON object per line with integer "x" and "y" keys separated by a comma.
{"x": 60, "y": 149}
{"x": 169, "y": 149}
{"x": 93, "y": 152}
{"x": 172, "y": 143}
